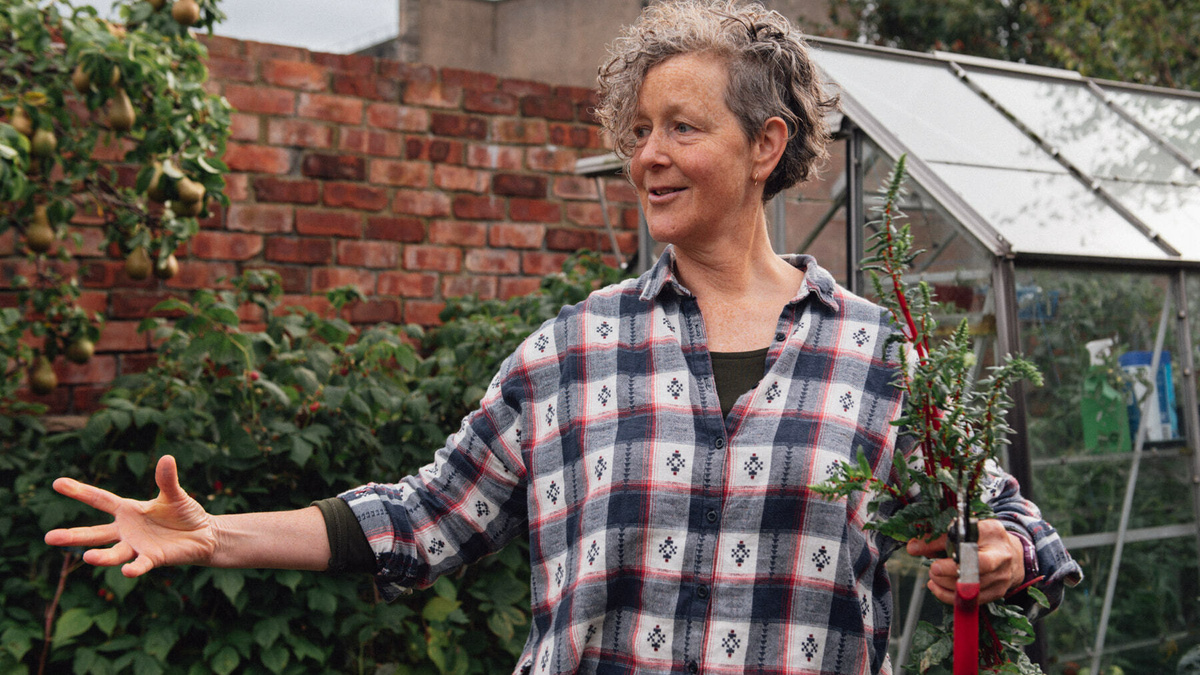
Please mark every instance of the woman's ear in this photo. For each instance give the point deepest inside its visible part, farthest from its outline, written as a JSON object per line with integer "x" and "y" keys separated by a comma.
{"x": 769, "y": 146}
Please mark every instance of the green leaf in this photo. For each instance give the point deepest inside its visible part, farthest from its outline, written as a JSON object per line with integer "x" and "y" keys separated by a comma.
{"x": 267, "y": 631}
{"x": 73, "y": 622}
{"x": 159, "y": 640}
{"x": 144, "y": 664}
{"x": 107, "y": 621}
{"x": 445, "y": 588}
{"x": 500, "y": 625}
{"x": 321, "y": 600}
{"x": 289, "y": 578}
{"x": 16, "y": 641}
{"x": 230, "y": 582}
{"x": 439, "y": 608}
{"x": 225, "y": 661}
{"x": 275, "y": 658}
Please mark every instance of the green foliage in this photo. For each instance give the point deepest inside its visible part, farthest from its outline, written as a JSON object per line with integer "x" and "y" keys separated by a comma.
{"x": 1143, "y": 41}
{"x": 957, "y": 424}
{"x": 65, "y": 74}
{"x": 266, "y": 419}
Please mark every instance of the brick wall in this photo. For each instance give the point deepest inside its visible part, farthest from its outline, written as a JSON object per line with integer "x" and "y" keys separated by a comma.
{"x": 413, "y": 184}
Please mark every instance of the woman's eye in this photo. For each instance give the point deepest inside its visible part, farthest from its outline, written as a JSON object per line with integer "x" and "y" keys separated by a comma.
{"x": 683, "y": 127}
{"x": 641, "y": 133}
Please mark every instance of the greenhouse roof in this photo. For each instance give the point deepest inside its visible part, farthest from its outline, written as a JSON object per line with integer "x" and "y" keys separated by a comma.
{"x": 1037, "y": 163}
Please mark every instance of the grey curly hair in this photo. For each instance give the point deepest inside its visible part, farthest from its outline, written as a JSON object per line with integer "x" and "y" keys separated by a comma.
{"x": 770, "y": 75}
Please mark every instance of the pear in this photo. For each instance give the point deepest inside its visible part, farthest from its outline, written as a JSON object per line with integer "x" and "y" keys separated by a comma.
{"x": 167, "y": 268}
{"x": 80, "y": 80}
{"x": 189, "y": 190}
{"x": 157, "y": 190}
{"x": 42, "y": 379}
{"x": 81, "y": 350}
{"x": 137, "y": 264}
{"x": 185, "y": 12}
{"x": 44, "y": 143}
{"x": 188, "y": 209}
{"x": 39, "y": 237}
{"x": 120, "y": 112}
{"x": 158, "y": 4}
{"x": 21, "y": 122}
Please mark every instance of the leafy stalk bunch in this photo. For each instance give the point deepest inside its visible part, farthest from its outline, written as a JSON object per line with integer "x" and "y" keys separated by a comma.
{"x": 957, "y": 424}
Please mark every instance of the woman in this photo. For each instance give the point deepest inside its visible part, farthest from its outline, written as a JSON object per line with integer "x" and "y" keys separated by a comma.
{"x": 657, "y": 440}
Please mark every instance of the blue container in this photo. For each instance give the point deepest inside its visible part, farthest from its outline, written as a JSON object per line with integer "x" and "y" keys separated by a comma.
{"x": 1163, "y": 423}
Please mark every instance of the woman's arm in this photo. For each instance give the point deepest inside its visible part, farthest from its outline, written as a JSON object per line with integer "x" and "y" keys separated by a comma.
{"x": 173, "y": 529}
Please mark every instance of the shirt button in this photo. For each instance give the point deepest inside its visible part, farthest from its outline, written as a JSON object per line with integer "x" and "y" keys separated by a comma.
{"x": 719, "y": 443}
{"x": 711, "y": 516}
{"x": 702, "y": 592}
{"x": 693, "y": 667}
{"x": 780, "y": 336}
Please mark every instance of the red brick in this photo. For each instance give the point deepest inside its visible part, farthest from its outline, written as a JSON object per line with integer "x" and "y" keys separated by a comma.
{"x": 122, "y": 336}
{"x": 511, "y": 235}
{"x": 627, "y": 242}
{"x": 227, "y": 68}
{"x": 335, "y": 167}
{"x": 490, "y": 102}
{"x": 222, "y": 46}
{"x": 299, "y": 133}
{"x": 407, "y": 284}
{"x": 433, "y": 258}
{"x": 577, "y": 94}
{"x": 511, "y": 287}
{"x": 408, "y": 230}
{"x": 260, "y": 99}
{"x": 237, "y": 188}
{"x": 548, "y": 107}
{"x": 195, "y": 274}
{"x": 329, "y": 278}
{"x": 262, "y": 51}
{"x": 456, "y": 233}
{"x": 480, "y": 286}
{"x": 570, "y": 135}
{"x": 423, "y": 312}
{"x": 460, "y": 179}
{"x": 348, "y": 63}
{"x": 138, "y": 305}
{"x": 331, "y": 108}
{"x": 352, "y": 196}
{"x": 377, "y": 254}
{"x": 328, "y": 223}
{"x": 526, "y": 88}
{"x": 317, "y": 304}
{"x": 226, "y": 246}
{"x": 620, "y": 190}
{"x": 589, "y": 214}
{"x": 470, "y": 79}
{"x": 137, "y": 363}
{"x": 553, "y": 160}
{"x": 366, "y": 85}
{"x": 244, "y": 127}
{"x": 494, "y": 157}
{"x": 407, "y": 174}
{"x": 258, "y": 158}
{"x": 519, "y": 185}
{"x": 478, "y": 208}
{"x": 491, "y": 261}
{"x": 421, "y": 203}
{"x": 85, "y": 398}
{"x": 295, "y": 75}
{"x": 264, "y": 218}
{"x": 432, "y": 94}
{"x": 378, "y": 143}
{"x": 91, "y": 301}
{"x": 534, "y": 210}
{"x": 586, "y": 112}
{"x": 293, "y": 279}
{"x": 462, "y": 126}
{"x": 397, "y": 117}
{"x": 96, "y": 274}
{"x": 559, "y": 239}
{"x": 92, "y": 240}
{"x": 97, "y": 369}
{"x": 527, "y": 132}
{"x": 542, "y": 264}
{"x": 268, "y": 189}
{"x": 437, "y": 150}
{"x": 8, "y": 242}
{"x": 377, "y": 310}
{"x": 300, "y": 250}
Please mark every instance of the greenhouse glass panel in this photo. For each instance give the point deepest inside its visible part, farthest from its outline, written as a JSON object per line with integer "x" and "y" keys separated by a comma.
{"x": 1047, "y": 213}
{"x": 1172, "y": 210}
{"x": 1091, "y": 136}
{"x": 1175, "y": 118}
{"x": 935, "y": 115}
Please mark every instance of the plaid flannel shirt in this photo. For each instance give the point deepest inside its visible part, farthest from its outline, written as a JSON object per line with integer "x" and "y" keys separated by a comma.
{"x": 665, "y": 538}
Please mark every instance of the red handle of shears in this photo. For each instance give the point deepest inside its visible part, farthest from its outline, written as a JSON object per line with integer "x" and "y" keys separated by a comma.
{"x": 966, "y": 611}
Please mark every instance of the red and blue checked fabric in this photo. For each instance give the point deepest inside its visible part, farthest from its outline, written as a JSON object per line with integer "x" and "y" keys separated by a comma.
{"x": 665, "y": 538}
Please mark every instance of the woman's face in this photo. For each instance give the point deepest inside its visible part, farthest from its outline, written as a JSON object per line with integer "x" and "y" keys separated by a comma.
{"x": 692, "y": 164}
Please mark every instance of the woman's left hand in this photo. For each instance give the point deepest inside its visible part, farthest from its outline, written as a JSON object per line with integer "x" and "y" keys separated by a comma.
{"x": 1001, "y": 563}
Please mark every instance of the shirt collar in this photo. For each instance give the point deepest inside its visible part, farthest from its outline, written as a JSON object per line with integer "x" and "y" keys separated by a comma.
{"x": 817, "y": 280}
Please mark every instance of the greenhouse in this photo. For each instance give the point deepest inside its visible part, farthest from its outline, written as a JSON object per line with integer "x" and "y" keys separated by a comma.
{"x": 1060, "y": 215}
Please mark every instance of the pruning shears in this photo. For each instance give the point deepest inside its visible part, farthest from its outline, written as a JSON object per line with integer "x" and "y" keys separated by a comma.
{"x": 964, "y": 536}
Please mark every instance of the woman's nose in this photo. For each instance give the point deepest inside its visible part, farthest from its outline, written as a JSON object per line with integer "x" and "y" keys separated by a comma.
{"x": 652, "y": 150}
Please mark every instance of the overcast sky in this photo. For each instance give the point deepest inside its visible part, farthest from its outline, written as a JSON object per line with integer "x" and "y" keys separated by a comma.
{"x": 319, "y": 25}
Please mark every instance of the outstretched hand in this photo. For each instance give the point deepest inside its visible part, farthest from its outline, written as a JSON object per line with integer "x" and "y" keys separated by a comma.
{"x": 171, "y": 529}
{"x": 1001, "y": 563}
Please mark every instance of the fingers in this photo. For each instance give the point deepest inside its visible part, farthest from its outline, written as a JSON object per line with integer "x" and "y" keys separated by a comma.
{"x": 119, "y": 554}
{"x": 97, "y": 535}
{"x": 87, "y": 494}
{"x": 927, "y": 549}
{"x": 166, "y": 475}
